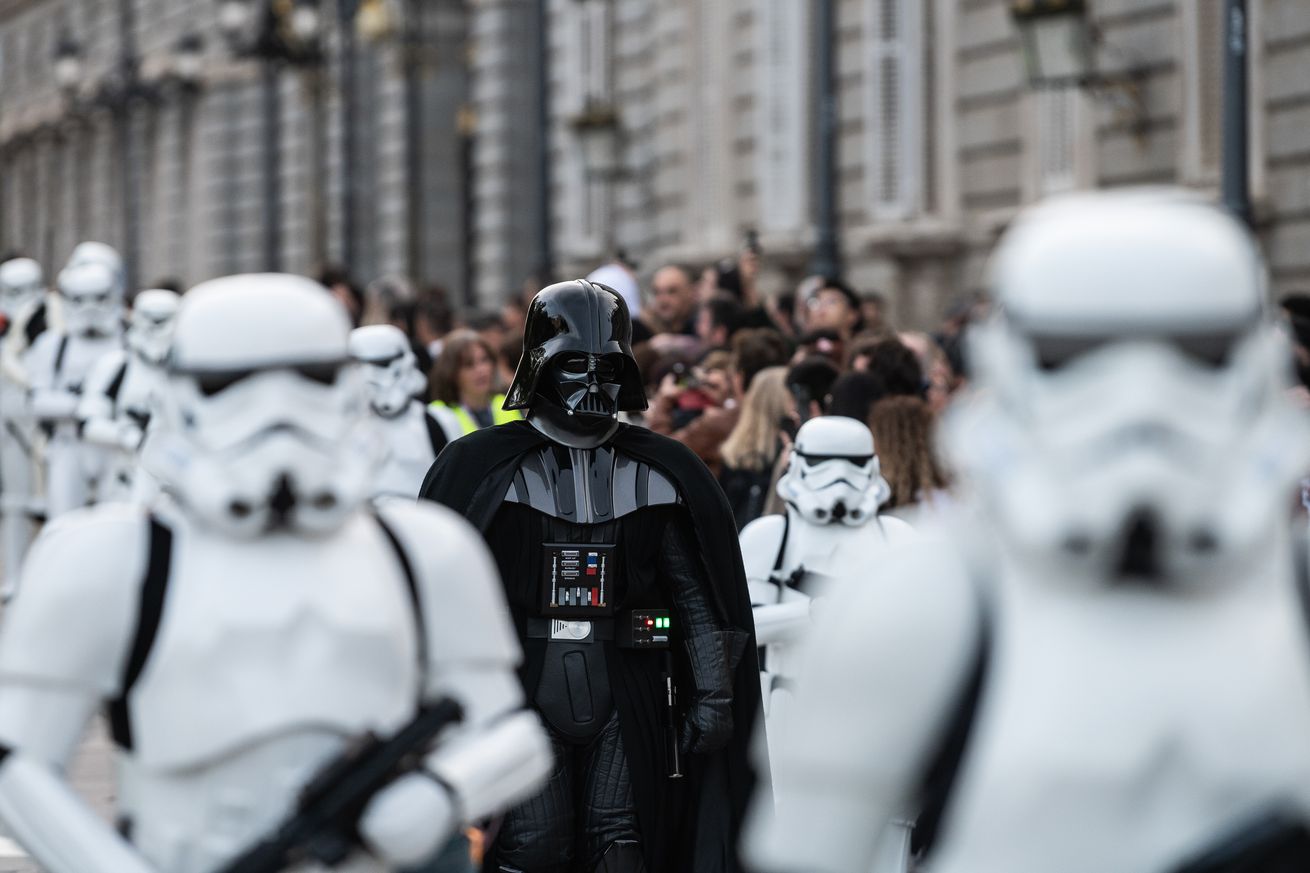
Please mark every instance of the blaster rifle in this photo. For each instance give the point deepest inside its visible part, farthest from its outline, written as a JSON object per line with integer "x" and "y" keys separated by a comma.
{"x": 323, "y": 827}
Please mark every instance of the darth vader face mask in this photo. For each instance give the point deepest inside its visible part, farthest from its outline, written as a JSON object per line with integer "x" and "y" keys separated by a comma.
{"x": 584, "y": 384}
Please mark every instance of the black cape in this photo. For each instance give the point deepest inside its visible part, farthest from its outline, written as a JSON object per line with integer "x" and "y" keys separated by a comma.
{"x": 695, "y": 825}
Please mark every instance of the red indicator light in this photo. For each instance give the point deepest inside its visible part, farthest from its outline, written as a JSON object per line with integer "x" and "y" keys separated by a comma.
{"x": 650, "y": 623}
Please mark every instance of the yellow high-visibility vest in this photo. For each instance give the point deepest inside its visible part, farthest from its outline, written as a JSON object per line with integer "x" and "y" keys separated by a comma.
{"x": 499, "y": 414}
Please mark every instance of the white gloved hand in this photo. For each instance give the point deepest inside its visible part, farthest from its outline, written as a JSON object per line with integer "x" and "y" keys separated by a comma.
{"x": 407, "y": 822}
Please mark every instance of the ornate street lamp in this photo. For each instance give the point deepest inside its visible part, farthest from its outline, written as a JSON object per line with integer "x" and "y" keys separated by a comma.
{"x": 597, "y": 130}
{"x": 1059, "y": 50}
{"x": 1057, "y": 41}
{"x": 188, "y": 63}
{"x": 69, "y": 67}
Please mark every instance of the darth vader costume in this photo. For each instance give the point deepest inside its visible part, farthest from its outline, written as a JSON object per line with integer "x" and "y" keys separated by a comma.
{"x": 623, "y": 575}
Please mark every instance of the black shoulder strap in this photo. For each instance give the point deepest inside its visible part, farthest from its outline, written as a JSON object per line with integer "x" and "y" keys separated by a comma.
{"x": 117, "y": 383}
{"x": 436, "y": 435}
{"x": 150, "y": 610}
{"x": 59, "y": 355}
{"x": 944, "y": 766}
{"x": 411, "y": 585}
{"x": 782, "y": 545}
{"x": 1301, "y": 572}
{"x": 36, "y": 324}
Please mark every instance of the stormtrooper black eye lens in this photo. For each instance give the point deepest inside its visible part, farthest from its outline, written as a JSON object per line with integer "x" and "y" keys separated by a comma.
{"x": 1057, "y": 352}
{"x": 212, "y": 383}
{"x": 857, "y": 460}
{"x": 323, "y": 374}
{"x": 1211, "y": 350}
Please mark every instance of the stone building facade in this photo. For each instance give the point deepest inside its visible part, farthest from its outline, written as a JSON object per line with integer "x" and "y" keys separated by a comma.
{"x": 197, "y": 153}
{"x": 940, "y": 138}
{"x": 468, "y": 168}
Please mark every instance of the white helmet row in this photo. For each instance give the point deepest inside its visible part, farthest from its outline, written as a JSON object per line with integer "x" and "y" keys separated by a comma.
{"x": 390, "y": 367}
{"x": 1128, "y": 416}
{"x": 21, "y": 282}
{"x": 265, "y": 423}
{"x": 834, "y": 476}
{"x": 150, "y": 326}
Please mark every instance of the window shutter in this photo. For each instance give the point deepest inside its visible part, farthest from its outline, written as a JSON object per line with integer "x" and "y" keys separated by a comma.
{"x": 1057, "y": 137}
{"x": 893, "y": 93}
{"x": 1210, "y": 56}
{"x": 782, "y": 118}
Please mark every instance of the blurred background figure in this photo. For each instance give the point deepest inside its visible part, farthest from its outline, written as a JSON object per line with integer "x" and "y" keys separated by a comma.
{"x": 22, "y": 291}
{"x": 92, "y": 294}
{"x": 465, "y": 393}
{"x": 124, "y": 390}
{"x": 751, "y": 451}
{"x": 672, "y": 302}
{"x": 904, "y": 431}
{"x": 410, "y": 429}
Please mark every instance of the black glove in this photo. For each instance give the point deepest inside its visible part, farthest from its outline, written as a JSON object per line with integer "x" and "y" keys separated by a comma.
{"x": 708, "y": 722}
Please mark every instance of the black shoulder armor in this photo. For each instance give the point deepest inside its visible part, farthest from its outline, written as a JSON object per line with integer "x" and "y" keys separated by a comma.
{"x": 588, "y": 486}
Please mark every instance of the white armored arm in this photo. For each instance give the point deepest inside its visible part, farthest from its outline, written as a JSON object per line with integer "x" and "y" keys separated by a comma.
{"x": 499, "y": 754}
{"x": 880, "y": 673}
{"x": 782, "y": 621}
{"x": 62, "y": 648}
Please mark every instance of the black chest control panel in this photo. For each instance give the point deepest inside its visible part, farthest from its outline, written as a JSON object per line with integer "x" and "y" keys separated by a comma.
{"x": 577, "y": 580}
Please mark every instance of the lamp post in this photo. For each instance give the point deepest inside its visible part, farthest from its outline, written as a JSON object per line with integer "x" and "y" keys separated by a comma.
{"x": 827, "y": 250}
{"x": 1059, "y": 42}
{"x": 346, "y": 11}
{"x": 1236, "y": 157}
{"x": 277, "y": 33}
{"x": 598, "y": 133}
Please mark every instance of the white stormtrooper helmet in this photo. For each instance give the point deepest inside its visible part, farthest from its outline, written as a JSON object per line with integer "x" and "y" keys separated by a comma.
{"x": 834, "y": 476}
{"x": 1128, "y": 418}
{"x": 150, "y": 326}
{"x": 100, "y": 253}
{"x": 21, "y": 282}
{"x": 266, "y": 425}
{"x": 92, "y": 299}
{"x": 390, "y": 367}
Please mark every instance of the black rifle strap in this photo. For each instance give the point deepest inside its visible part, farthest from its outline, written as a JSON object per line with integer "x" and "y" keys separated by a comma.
{"x": 411, "y": 585}
{"x": 939, "y": 777}
{"x": 150, "y": 609}
{"x": 116, "y": 385}
{"x": 782, "y": 543}
{"x": 59, "y": 355}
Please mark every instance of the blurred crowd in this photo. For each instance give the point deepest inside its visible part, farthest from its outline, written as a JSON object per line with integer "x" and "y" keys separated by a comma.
{"x": 730, "y": 372}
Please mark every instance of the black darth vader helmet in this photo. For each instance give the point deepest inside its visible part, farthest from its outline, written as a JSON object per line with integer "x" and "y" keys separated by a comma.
{"x": 577, "y": 351}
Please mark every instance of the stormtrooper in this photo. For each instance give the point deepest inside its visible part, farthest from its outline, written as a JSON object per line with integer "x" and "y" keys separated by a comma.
{"x": 293, "y": 680}
{"x": 412, "y": 434}
{"x": 619, "y": 558}
{"x": 22, "y": 286}
{"x": 1102, "y": 665}
{"x": 91, "y": 290}
{"x": 123, "y": 390}
{"x": 831, "y": 532}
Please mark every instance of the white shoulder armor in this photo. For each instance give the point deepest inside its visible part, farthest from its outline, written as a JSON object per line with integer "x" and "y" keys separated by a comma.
{"x": 914, "y": 637}
{"x": 465, "y": 616}
{"x": 74, "y": 616}
{"x": 761, "y": 541}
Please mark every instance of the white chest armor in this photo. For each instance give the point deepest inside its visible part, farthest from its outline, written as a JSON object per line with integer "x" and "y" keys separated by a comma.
{"x": 269, "y": 656}
{"x": 1125, "y": 730}
{"x": 409, "y": 452}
